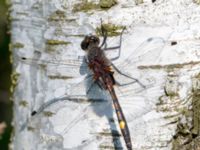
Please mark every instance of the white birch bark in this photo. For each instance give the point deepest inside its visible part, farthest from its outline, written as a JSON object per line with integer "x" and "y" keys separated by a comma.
{"x": 163, "y": 116}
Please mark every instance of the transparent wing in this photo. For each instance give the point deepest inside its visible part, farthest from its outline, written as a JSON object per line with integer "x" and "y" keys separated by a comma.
{"x": 57, "y": 67}
{"x": 66, "y": 63}
{"x": 90, "y": 98}
{"x": 83, "y": 90}
{"x": 135, "y": 91}
{"x": 147, "y": 52}
{"x": 136, "y": 103}
{"x": 95, "y": 92}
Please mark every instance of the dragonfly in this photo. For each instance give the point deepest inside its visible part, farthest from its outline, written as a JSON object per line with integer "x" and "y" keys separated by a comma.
{"x": 103, "y": 71}
{"x": 103, "y": 76}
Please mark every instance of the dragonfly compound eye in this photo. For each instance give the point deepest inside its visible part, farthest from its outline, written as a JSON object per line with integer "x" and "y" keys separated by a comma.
{"x": 84, "y": 45}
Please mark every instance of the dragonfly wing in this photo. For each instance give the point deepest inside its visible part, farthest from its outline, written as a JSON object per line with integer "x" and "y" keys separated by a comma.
{"x": 88, "y": 88}
{"x": 79, "y": 90}
{"x": 58, "y": 68}
{"x": 148, "y": 52}
{"x": 81, "y": 123}
{"x": 85, "y": 109}
{"x": 137, "y": 101}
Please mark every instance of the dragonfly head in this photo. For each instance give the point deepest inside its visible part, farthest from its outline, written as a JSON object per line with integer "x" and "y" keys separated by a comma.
{"x": 89, "y": 40}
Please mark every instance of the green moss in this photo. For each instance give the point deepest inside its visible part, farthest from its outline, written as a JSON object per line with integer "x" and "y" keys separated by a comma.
{"x": 11, "y": 56}
{"x": 48, "y": 113}
{"x": 187, "y": 113}
{"x": 171, "y": 116}
{"x": 171, "y": 66}
{"x": 57, "y": 16}
{"x": 22, "y": 13}
{"x": 196, "y": 1}
{"x": 85, "y": 6}
{"x": 114, "y": 133}
{"x": 112, "y": 30}
{"x": 43, "y": 66}
{"x": 195, "y": 83}
{"x": 60, "y": 13}
{"x": 105, "y": 134}
{"x": 14, "y": 81}
{"x": 29, "y": 128}
{"x": 17, "y": 45}
{"x": 198, "y": 76}
{"x": 57, "y": 42}
{"x": 196, "y": 112}
{"x": 171, "y": 94}
{"x": 23, "y": 103}
{"x": 51, "y": 43}
{"x": 60, "y": 77}
{"x": 107, "y": 3}
{"x": 13, "y": 19}
{"x": 104, "y": 147}
{"x": 139, "y": 2}
{"x": 164, "y": 109}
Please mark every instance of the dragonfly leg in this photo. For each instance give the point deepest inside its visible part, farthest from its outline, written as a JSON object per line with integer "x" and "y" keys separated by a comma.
{"x": 104, "y": 34}
{"x": 54, "y": 100}
{"x": 89, "y": 89}
{"x": 116, "y": 47}
{"x": 85, "y": 60}
{"x": 98, "y": 83}
{"x": 49, "y": 103}
{"x": 124, "y": 84}
{"x": 134, "y": 79}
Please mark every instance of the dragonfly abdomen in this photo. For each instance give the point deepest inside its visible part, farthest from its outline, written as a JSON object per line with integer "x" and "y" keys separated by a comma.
{"x": 121, "y": 119}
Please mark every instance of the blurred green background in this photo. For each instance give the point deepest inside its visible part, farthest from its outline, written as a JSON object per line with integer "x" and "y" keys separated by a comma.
{"x": 5, "y": 71}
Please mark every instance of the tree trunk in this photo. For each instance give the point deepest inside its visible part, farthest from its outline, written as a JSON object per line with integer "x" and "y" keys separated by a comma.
{"x": 160, "y": 47}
